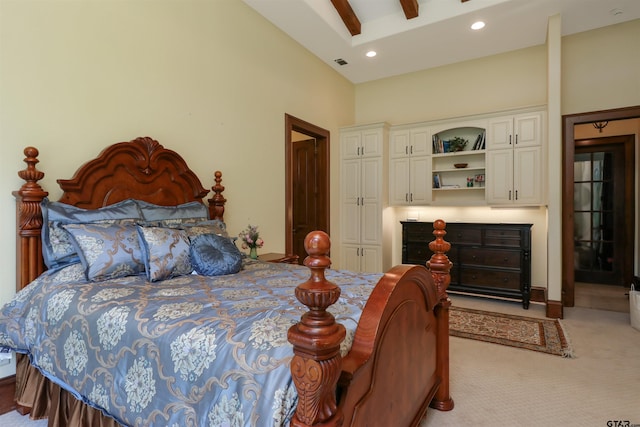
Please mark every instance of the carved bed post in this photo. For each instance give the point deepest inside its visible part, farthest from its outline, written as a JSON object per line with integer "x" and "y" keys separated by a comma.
{"x": 29, "y": 261}
{"x": 440, "y": 266}
{"x": 316, "y": 364}
{"x": 216, "y": 203}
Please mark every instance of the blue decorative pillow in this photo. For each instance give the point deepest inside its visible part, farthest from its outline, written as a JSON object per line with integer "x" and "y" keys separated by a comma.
{"x": 213, "y": 226}
{"x": 57, "y": 245}
{"x": 165, "y": 252}
{"x": 107, "y": 251}
{"x": 166, "y": 216}
{"x": 213, "y": 255}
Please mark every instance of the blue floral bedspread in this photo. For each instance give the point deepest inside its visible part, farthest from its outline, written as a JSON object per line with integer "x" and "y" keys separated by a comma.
{"x": 188, "y": 351}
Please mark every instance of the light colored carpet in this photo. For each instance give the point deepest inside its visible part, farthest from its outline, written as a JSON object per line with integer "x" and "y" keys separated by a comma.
{"x": 495, "y": 385}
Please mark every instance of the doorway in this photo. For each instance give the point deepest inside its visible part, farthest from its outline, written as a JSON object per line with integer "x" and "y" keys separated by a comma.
{"x": 603, "y": 210}
{"x": 569, "y": 146}
{"x": 307, "y": 183}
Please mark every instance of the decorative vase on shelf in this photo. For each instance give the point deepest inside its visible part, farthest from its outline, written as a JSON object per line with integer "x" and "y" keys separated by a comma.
{"x": 253, "y": 253}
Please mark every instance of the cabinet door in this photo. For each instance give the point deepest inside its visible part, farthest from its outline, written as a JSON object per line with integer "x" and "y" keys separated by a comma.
{"x": 370, "y": 180}
{"x": 371, "y": 143}
{"x": 351, "y": 200}
{"x": 499, "y": 133}
{"x": 421, "y": 142}
{"x": 371, "y": 224}
{"x": 499, "y": 177}
{"x": 350, "y": 258}
{"x": 370, "y": 203}
{"x": 351, "y": 143}
{"x": 420, "y": 178}
{"x": 528, "y": 179}
{"x": 399, "y": 181}
{"x": 528, "y": 130}
{"x": 399, "y": 143}
{"x": 370, "y": 257}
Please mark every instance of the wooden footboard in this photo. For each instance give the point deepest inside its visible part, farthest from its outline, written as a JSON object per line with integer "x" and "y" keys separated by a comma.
{"x": 399, "y": 362}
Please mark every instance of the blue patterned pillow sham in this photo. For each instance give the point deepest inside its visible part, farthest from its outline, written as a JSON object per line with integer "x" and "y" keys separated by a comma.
{"x": 213, "y": 226}
{"x": 107, "y": 251}
{"x": 57, "y": 245}
{"x": 165, "y": 252}
{"x": 213, "y": 255}
{"x": 167, "y": 216}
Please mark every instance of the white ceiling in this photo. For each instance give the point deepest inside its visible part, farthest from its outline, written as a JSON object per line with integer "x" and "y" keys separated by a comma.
{"x": 440, "y": 35}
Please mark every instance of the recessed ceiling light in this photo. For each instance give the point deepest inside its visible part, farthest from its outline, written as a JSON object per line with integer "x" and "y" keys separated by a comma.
{"x": 477, "y": 25}
{"x": 371, "y": 53}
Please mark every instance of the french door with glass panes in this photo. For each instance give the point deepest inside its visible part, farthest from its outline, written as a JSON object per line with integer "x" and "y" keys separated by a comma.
{"x": 600, "y": 213}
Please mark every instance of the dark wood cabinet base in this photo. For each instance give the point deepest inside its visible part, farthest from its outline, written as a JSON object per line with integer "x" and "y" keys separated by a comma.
{"x": 488, "y": 259}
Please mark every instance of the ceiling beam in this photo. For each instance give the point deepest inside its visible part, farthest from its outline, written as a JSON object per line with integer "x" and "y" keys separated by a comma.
{"x": 410, "y": 8}
{"x": 348, "y": 16}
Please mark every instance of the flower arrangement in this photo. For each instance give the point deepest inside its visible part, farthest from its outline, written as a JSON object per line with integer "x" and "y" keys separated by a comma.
{"x": 251, "y": 240}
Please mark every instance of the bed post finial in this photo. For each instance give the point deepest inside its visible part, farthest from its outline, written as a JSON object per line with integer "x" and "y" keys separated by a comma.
{"x": 216, "y": 203}
{"x": 316, "y": 364}
{"x": 439, "y": 263}
{"x": 440, "y": 267}
{"x": 29, "y": 221}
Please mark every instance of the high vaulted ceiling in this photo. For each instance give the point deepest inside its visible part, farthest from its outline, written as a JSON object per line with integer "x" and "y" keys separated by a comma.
{"x": 438, "y": 35}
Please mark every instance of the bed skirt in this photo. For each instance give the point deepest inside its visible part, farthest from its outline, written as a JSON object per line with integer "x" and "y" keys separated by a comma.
{"x": 45, "y": 399}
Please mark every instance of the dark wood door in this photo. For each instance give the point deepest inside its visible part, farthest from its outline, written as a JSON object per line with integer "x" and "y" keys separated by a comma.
{"x": 307, "y": 183}
{"x": 308, "y": 192}
{"x": 603, "y": 211}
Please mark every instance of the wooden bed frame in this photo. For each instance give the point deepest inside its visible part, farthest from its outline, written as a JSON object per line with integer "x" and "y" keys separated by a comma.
{"x": 399, "y": 362}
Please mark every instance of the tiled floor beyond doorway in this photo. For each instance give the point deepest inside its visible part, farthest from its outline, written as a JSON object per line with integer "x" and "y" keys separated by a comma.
{"x": 602, "y": 297}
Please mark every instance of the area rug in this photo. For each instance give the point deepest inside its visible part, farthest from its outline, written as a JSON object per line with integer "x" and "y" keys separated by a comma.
{"x": 543, "y": 335}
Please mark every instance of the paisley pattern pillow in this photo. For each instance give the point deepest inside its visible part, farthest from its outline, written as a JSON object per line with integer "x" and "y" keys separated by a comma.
{"x": 165, "y": 252}
{"x": 57, "y": 245}
{"x": 107, "y": 251}
{"x": 213, "y": 255}
{"x": 171, "y": 215}
{"x": 213, "y": 226}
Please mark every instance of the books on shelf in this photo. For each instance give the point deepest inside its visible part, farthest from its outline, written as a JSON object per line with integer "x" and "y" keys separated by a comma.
{"x": 436, "y": 180}
{"x": 480, "y": 142}
{"x": 442, "y": 146}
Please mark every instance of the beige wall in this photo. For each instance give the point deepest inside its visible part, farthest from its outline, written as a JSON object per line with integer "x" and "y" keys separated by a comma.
{"x": 210, "y": 79}
{"x": 601, "y": 69}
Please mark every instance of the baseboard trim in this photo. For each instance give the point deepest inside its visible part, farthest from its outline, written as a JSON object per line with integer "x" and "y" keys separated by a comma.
{"x": 7, "y": 394}
{"x": 538, "y": 294}
{"x": 555, "y": 309}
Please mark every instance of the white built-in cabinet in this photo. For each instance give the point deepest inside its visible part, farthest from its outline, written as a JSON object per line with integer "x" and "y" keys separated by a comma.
{"x": 503, "y": 163}
{"x": 458, "y": 177}
{"x": 364, "y": 194}
{"x": 515, "y": 160}
{"x": 410, "y": 166}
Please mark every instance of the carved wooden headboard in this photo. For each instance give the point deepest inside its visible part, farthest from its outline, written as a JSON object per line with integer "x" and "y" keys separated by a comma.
{"x": 139, "y": 169}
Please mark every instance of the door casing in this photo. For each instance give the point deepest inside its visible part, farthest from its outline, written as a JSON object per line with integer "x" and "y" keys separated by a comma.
{"x": 322, "y": 137}
{"x": 568, "y": 141}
